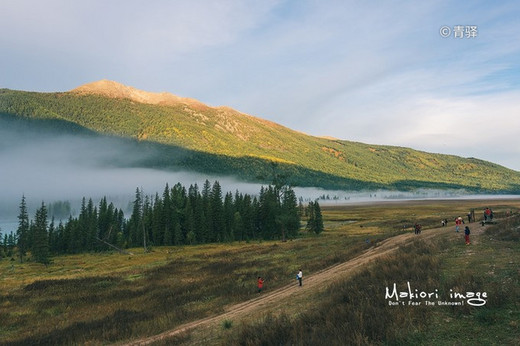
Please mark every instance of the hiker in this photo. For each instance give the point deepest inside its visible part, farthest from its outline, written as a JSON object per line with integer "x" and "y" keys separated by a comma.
{"x": 443, "y": 223}
{"x": 299, "y": 277}
{"x": 458, "y": 222}
{"x": 417, "y": 228}
{"x": 469, "y": 217}
{"x": 260, "y": 283}
{"x": 466, "y": 234}
{"x": 487, "y": 214}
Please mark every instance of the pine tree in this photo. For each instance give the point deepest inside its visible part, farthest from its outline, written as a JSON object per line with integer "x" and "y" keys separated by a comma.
{"x": 52, "y": 236}
{"x": 189, "y": 222}
{"x": 136, "y": 219}
{"x": 318, "y": 219}
{"x": 157, "y": 221}
{"x": 104, "y": 219}
{"x": 91, "y": 227}
{"x": 315, "y": 221}
{"x": 73, "y": 235}
{"x": 217, "y": 213}
{"x": 40, "y": 248}
{"x": 229, "y": 212}
{"x": 82, "y": 228}
{"x": 247, "y": 213}
{"x": 290, "y": 213}
{"x": 23, "y": 230}
{"x": 167, "y": 215}
{"x": 11, "y": 243}
{"x": 205, "y": 214}
{"x": 238, "y": 226}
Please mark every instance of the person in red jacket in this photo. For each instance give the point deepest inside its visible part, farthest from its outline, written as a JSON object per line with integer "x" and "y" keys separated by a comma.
{"x": 260, "y": 284}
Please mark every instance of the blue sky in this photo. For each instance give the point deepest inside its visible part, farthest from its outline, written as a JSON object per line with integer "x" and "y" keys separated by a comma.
{"x": 369, "y": 71}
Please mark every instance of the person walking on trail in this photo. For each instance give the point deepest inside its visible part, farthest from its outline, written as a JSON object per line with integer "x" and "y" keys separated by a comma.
{"x": 458, "y": 222}
{"x": 299, "y": 276}
{"x": 466, "y": 234}
{"x": 417, "y": 228}
{"x": 260, "y": 284}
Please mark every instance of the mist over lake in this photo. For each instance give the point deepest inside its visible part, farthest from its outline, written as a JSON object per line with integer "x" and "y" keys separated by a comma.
{"x": 50, "y": 166}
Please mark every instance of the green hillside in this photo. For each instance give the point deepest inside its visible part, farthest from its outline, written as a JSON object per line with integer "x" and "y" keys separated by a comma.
{"x": 222, "y": 140}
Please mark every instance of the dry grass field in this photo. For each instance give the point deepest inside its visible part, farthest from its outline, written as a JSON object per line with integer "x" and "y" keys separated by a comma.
{"x": 105, "y": 298}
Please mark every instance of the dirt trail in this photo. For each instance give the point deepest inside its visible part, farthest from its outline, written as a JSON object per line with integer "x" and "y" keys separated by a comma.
{"x": 316, "y": 281}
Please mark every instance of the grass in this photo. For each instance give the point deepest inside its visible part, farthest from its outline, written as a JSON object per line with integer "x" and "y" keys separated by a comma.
{"x": 489, "y": 265}
{"x": 102, "y": 298}
{"x": 353, "y": 311}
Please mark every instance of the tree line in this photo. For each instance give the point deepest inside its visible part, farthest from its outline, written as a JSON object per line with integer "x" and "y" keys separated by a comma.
{"x": 178, "y": 216}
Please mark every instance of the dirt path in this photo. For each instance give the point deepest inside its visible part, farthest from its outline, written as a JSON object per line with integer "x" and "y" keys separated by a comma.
{"x": 314, "y": 282}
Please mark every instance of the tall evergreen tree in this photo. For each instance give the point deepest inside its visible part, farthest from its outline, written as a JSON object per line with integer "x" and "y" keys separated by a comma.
{"x": 238, "y": 226}
{"x": 205, "y": 215}
{"x": 104, "y": 220}
{"x": 23, "y": 230}
{"x": 269, "y": 213}
{"x": 157, "y": 221}
{"x": 315, "y": 220}
{"x": 135, "y": 223}
{"x": 40, "y": 249}
{"x": 52, "y": 236}
{"x": 167, "y": 217}
{"x": 217, "y": 213}
{"x": 10, "y": 240}
{"x": 91, "y": 227}
{"x": 318, "y": 218}
{"x": 229, "y": 212}
{"x": 290, "y": 215}
{"x": 189, "y": 223}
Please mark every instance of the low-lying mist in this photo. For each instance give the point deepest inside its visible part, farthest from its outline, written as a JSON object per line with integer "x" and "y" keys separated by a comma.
{"x": 50, "y": 166}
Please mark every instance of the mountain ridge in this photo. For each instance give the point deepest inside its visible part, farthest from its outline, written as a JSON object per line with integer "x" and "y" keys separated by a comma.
{"x": 109, "y": 88}
{"x": 238, "y": 139}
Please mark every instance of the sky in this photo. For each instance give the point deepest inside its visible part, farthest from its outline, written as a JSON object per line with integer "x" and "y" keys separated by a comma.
{"x": 438, "y": 76}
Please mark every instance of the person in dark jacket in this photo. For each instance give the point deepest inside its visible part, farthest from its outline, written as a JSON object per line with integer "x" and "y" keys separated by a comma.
{"x": 466, "y": 234}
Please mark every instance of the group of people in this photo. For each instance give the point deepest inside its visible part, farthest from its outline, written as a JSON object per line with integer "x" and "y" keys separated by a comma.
{"x": 488, "y": 215}
{"x": 260, "y": 281}
{"x": 458, "y": 224}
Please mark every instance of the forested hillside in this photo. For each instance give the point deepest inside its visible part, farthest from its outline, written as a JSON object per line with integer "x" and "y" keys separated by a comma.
{"x": 184, "y": 133}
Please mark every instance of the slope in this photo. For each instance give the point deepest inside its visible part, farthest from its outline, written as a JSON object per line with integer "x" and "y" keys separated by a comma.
{"x": 112, "y": 109}
{"x": 279, "y": 299}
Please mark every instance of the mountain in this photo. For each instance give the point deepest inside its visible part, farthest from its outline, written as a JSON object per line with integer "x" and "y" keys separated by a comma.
{"x": 176, "y": 132}
{"x": 117, "y": 90}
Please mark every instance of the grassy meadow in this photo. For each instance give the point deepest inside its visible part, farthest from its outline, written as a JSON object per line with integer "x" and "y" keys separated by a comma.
{"x": 105, "y": 298}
